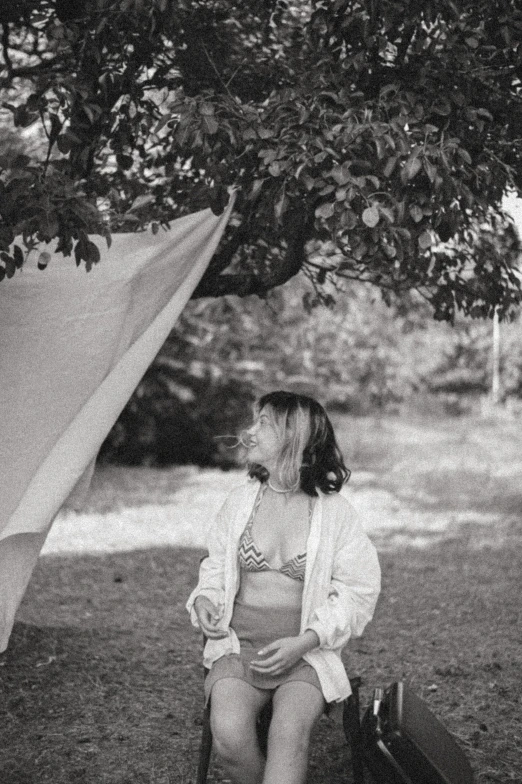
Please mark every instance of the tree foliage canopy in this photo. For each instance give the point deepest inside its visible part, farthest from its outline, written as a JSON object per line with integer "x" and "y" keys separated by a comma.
{"x": 360, "y": 135}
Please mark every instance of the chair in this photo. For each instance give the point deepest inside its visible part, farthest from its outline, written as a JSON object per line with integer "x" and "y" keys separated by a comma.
{"x": 351, "y": 727}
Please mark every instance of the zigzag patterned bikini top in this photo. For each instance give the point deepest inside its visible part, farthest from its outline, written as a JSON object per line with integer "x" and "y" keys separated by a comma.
{"x": 252, "y": 559}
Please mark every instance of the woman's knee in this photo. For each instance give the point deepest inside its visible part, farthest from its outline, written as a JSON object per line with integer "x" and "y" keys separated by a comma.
{"x": 226, "y": 736}
{"x": 296, "y": 710}
{"x": 235, "y": 706}
{"x": 231, "y": 735}
{"x": 291, "y": 731}
{"x": 232, "y": 731}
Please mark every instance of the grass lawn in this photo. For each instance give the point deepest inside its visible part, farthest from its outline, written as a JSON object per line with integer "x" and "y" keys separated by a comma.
{"x": 102, "y": 681}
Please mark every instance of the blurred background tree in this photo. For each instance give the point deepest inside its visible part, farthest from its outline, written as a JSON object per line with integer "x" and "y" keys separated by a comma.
{"x": 361, "y": 356}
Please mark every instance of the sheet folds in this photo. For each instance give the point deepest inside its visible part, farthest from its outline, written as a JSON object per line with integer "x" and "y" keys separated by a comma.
{"x": 73, "y": 347}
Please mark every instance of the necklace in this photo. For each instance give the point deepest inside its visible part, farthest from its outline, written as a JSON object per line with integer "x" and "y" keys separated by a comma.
{"x": 277, "y": 489}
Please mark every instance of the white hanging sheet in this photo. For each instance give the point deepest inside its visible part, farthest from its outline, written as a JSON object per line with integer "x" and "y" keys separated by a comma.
{"x": 73, "y": 347}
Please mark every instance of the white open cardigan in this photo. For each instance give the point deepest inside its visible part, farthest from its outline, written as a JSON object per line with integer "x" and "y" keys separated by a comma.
{"x": 341, "y": 585}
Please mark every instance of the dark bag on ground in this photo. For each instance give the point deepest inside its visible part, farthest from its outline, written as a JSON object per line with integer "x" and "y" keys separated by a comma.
{"x": 404, "y": 743}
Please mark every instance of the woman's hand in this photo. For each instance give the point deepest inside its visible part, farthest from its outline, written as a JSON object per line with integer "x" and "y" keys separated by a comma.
{"x": 285, "y": 653}
{"x": 208, "y": 617}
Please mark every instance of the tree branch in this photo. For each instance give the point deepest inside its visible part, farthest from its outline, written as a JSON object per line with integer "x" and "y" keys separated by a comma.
{"x": 5, "y": 50}
{"x": 244, "y": 284}
{"x": 30, "y": 70}
{"x": 402, "y": 49}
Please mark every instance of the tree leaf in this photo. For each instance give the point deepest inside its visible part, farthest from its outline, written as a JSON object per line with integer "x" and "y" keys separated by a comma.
{"x": 360, "y": 251}
{"x": 371, "y": 216}
{"x": 162, "y": 123}
{"x": 380, "y": 147}
{"x": 267, "y": 155}
{"x": 388, "y": 213}
{"x": 143, "y": 200}
{"x": 341, "y": 174}
{"x": 348, "y": 220}
{"x": 18, "y": 256}
{"x": 43, "y": 260}
{"x": 280, "y": 206}
{"x": 10, "y": 266}
{"x": 206, "y": 109}
{"x": 442, "y": 107}
{"x": 389, "y": 250}
{"x": 411, "y": 168}
{"x": 388, "y": 88}
{"x": 425, "y": 240}
{"x": 325, "y": 210}
{"x": 64, "y": 143}
{"x": 416, "y": 213}
{"x": 430, "y": 169}
{"x": 93, "y": 252}
{"x": 464, "y": 154}
{"x": 390, "y": 165}
{"x": 210, "y": 125}
{"x": 308, "y": 181}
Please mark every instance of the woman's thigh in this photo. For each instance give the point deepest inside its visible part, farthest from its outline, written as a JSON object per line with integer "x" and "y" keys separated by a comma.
{"x": 297, "y": 706}
{"x": 234, "y": 707}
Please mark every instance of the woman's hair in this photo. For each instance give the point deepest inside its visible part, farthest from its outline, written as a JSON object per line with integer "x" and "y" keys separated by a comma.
{"x": 310, "y": 457}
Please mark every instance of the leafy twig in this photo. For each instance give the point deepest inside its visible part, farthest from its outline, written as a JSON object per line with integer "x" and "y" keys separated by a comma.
{"x": 224, "y": 84}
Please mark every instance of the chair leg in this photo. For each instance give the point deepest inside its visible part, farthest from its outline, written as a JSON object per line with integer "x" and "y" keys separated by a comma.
{"x": 352, "y": 731}
{"x": 205, "y": 748}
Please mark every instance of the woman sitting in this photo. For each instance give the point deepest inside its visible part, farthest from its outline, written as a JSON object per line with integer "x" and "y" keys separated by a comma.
{"x": 289, "y": 579}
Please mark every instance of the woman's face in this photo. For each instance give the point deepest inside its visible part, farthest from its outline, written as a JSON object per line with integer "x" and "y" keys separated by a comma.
{"x": 265, "y": 443}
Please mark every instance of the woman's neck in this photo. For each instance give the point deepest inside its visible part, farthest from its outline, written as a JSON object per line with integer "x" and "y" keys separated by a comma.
{"x": 277, "y": 489}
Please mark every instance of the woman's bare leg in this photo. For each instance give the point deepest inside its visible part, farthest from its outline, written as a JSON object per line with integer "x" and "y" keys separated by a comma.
{"x": 296, "y": 708}
{"x": 234, "y": 708}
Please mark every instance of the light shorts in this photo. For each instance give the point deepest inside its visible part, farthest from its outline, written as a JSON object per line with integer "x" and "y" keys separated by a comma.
{"x": 256, "y": 627}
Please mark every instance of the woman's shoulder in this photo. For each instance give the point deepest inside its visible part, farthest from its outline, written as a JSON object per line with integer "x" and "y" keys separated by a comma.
{"x": 243, "y": 491}
{"x": 237, "y": 502}
{"x": 337, "y": 502}
{"x": 338, "y": 509}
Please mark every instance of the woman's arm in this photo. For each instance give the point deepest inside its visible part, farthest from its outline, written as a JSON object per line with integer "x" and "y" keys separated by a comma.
{"x": 211, "y": 582}
{"x": 284, "y": 653}
{"x": 354, "y": 589}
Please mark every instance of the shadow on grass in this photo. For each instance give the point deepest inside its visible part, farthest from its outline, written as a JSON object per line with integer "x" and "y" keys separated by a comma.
{"x": 93, "y": 706}
{"x": 102, "y": 678}
{"x": 102, "y": 681}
